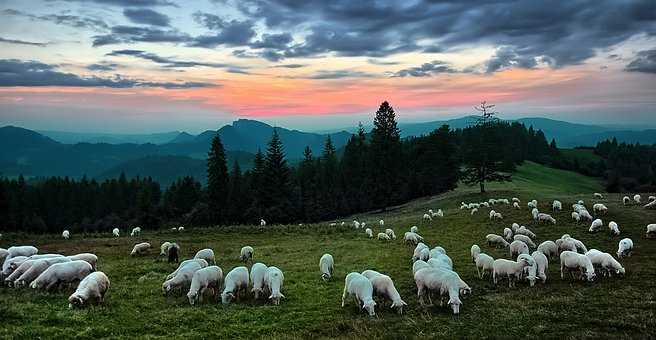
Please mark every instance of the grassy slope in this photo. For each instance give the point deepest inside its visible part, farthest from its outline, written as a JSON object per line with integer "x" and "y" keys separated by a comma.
{"x": 617, "y": 307}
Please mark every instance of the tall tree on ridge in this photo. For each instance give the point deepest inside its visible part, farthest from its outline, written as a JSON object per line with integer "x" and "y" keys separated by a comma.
{"x": 217, "y": 181}
{"x": 385, "y": 157}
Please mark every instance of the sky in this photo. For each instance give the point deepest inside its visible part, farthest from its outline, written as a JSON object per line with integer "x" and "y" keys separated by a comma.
{"x": 137, "y": 66}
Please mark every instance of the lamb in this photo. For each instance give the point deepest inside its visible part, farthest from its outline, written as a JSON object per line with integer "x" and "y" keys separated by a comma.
{"x": 64, "y": 272}
{"x": 427, "y": 217}
{"x": 507, "y": 234}
{"x": 625, "y": 248}
{"x": 510, "y": 269}
{"x": 326, "y": 266}
{"x": 598, "y": 195}
{"x": 626, "y": 200}
{"x": 414, "y": 229}
{"x": 636, "y": 198}
{"x": 599, "y": 208}
{"x": 524, "y": 239}
{"x": 542, "y": 264}
{"x": 235, "y": 283}
{"x": 557, "y": 206}
{"x": 570, "y": 261}
{"x": 383, "y": 237}
{"x": 576, "y": 217}
{"x": 116, "y": 232}
{"x": 206, "y": 254}
{"x": 484, "y": 264}
{"x": 66, "y": 234}
{"x": 92, "y": 287}
{"x": 38, "y": 267}
{"x": 136, "y": 231}
{"x": 384, "y": 286}
{"x": 358, "y": 286}
{"x": 549, "y": 249}
{"x": 546, "y": 218}
{"x": 651, "y": 232}
{"x": 258, "y": 271}
{"x": 409, "y": 237}
{"x": 475, "y": 251}
{"x": 473, "y": 211}
{"x": 596, "y": 224}
{"x": 140, "y": 249}
{"x": 525, "y": 231}
{"x": 517, "y": 248}
{"x": 246, "y": 254}
{"x": 418, "y": 265}
{"x": 496, "y": 240}
{"x": 516, "y": 205}
{"x": 439, "y": 280}
{"x": 535, "y": 213}
{"x": 614, "y": 228}
{"x": 390, "y": 233}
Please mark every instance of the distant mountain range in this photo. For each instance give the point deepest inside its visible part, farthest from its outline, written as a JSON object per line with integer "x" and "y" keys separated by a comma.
{"x": 110, "y": 138}
{"x": 170, "y": 155}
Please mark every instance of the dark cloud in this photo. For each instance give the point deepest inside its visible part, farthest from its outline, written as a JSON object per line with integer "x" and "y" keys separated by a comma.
{"x": 232, "y": 33}
{"x": 427, "y": 69}
{"x": 22, "y": 42}
{"x": 645, "y": 62}
{"x": 167, "y": 62}
{"x": 102, "y": 67}
{"x": 146, "y": 16}
{"x": 65, "y": 18}
{"x": 275, "y": 41}
{"x": 131, "y": 34}
{"x": 15, "y": 72}
{"x": 507, "y": 56}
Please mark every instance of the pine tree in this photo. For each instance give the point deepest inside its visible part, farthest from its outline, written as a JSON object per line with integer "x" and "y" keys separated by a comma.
{"x": 278, "y": 191}
{"x": 217, "y": 181}
{"x": 237, "y": 201}
{"x": 385, "y": 156}
{"x": 307, "y": 186}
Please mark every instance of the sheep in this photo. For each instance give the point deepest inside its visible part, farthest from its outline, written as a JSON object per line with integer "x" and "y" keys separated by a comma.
{"x": 492, "y": 214}
{"x": 184, "y": 263}
{"x": 598, "y": 195}
{"x": 356, "y": 224}
{"x": 626, "y": 200}
{"x": 496, "y": 240}
{"x": 565, "y": 244}
{"x": 91, "y": 259}
{"x": 549, "y": 249}
{"x": 518, "y": 247}
{"x": 384, "y": 286}
{"x": 625, "y": 247}
{"x": 92, "y": 287}
{"x": 475, "y": 251}
{"x": 22, "y": 268}
{"x": 358, "y": 286}
{"x": 36, "y": 268}
{"x": 614, "y": 228}
{"x": 390, "y": 233}
{"x": 140, "y": 249}
{"x": 170, "y": 250}
{"x": 16, "y": 251}
{"x": 381, "y": 223}
{"x": 599, "y": 208}
{"x": 576, "y": 217}
{"x": 258, "y": 271}
{"x": 416, "y": 255}
{"x": 535, "y": 213}
{"x": 651, "y": 199}
{"x": 136, "y": 231}
{"x": 525, "y": 231}
{"x": 4, "y": 253}
{"x": 510, "y": 269}
{"x": 383, "y": 237}
{"x": 557, "y": 206}
{"x": 650, "y": 205}
{"x": 235, "y": 283}
{"x": 262, "y": 223}
{"x": 524, "y": 239}
{"x": 514, "y": 227}
{"x": 181, "y": 229}
{"x": 605, "y": 262}
{"x": 440, "y": 213}
{"x": 546, "y": 218}
{"x": 463, "y": 206}
{"x": 326, "y": 266}
{"x": 116, "y": 232}
{"x": 174, "y": 229}
{"x": 427, "y": 217}
{"x": 570, "y": 260}
{"x": 441, "y": 261}
{"x": 542, "y": 264}
{"x": 181, "y": 278}
{"x": 413, "y": 238}
{"x": 10, "y": 265}
{"x": 498, "y": 216}
{"x": 66, "y": 234}
{"x": 204, "y": 279}
{"x": 596, "y": 224}
{"x": 585, "y": 214}
{"x": 651, "y": 231}
{"x": 516, "y": 200}
{"x": 484, "y": 263}
{"x": 507, "y": 234}
{"x": 418, "y": 265}
{"x": 246, "y": 254}
{"x": 436, "y": 251}
{"x": 414, "y": 229}
{"x": 439, "y": 280}
{"x": 424, "y": 254}
{"x": 14, "y": 267}
{"x": 64, "y": 272}
{"x": 473, "y": 211}
{"x": 516, "y": 206}
{"x": 531, "y": 205}
{"x": 636, "y": 198}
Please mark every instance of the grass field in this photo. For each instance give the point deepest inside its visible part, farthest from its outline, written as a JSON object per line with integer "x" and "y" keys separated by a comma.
{"x": 135, "y": 308}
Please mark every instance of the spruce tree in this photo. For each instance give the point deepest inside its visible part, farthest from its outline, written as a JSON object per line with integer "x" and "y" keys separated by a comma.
{"x": 385, "y": 157}
{"x": 217, "y": 181}
{"x": 277, "y": 187}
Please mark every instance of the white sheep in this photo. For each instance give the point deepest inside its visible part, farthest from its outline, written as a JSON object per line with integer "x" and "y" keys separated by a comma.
{"x": 542, "y": 264}
{"x": 326, "y": 266}
{"x": 440, "y": 281}
{"x": 614, "y": 228}
{"x": 516, "y": 206}
{"x": 64, "y": 272}
{"x": 514, "y": 227}
{"x": 572, "y": 261}
{"x": 206, "y": 254}
{"x": 507, "y": 234}
{"x": 475, "y": 251}
{"x": 384, "y": 287}
{"x": 418, "y": 265}
{"x": 424, "y": 254}
{"x": 535, "y": 213}
{"x": 599, "y": 208}
{"x": 437, "y": 250}
{"x": 440, "y": 213}
{"x": 549, "y": 249}
{"x": 626, "y": 200}
{"x": 358, "y": 286}
{"x": 484, "y": 264}
{"x": 181, "y": 278}
{"x": 525, "y": 231}
{"x": 140, "y": 248}
{"x": 390, "y": 233}
{"x": 383, "y": 237}
{"x": 596, "y": 225}
{"x": 585, "y": 214}
{"x": 16, "y": 251}
{"x": 518, "y": 247}
{"x": 605, "y": 262}
{"x": 412, "y": 238}
{"x": 116, "y": 232}
{"x": 625, "y": 247}
{"x": 651, "y": 231}
{"x": 26, "y": 265}
{"x": 492, "y": 214}
{"x": 356, "y": 224}
{"x": 636, "y": 198}
{"x": 91, "y": 259}
{"x": 416, "y": 255}
{"x": 557, "y": 206}
{"x": 38, "y": 267}
{"x": 650, "y": 205}
{"x": 274, "y": 280}
{"x": 509, "y": 269}
{"x": 246, "y": 254}
{"x": 369, "y": 232}
{"x": 202, "y": 263}
{"x": 381, "y": 223}
{"x": 414, "y": 229}
{"x": 136, "y": 231}
{"x": 576, "y": 217}
{"x": 441, "y": 261}
{"x": 258, "y": 272}
{"x": 262, "y": 223}
{"x": 235, "y": 283}
{"x": 11, "y": 264}
{"x": 66, "y": 234}
{"x": 546, "y": 218}
{"x": 496, "y": 240}
{"x": 598, "y": 195}
{"x": 93, "y": 287}
{"x": 525, "y": 239}
{"x": 498, "y": 216}
{"x": 181, "y": 229}
{"x": 473, "y": 211}
{"x": 565, "y": 244}
{"x": 205, "y": 279}
{"x": 427, "y": 217}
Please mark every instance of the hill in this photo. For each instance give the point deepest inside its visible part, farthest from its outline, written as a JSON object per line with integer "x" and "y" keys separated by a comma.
{"x": 109, "y": 138}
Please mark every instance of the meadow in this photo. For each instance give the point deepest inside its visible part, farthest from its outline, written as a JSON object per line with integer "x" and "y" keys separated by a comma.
{"x": 618, "y": 307}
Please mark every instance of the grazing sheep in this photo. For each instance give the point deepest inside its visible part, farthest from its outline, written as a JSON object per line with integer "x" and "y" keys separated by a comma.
{"x": 576, "y": 217}
{"x": 440, "y": 213}
{"x": 93, "y": 287}
{"x": 507, "y": 234}
{"x": 542, "y": 264}
{"x": 596, "y": 225}
{"x": 650, "y": 205}
{"x": 258, "y": 272}
{"x": 516, "y": 206}
{"x": 246, "y": 254}
{"x": 184, "y": 263}
{"x": 525, "y": 231}
{"x": 546, "y": 218}
{"x": 16, "y": 251}
{"x": 440, "y": 281}
{"x": 496, "y": 240}
{"x": 626, "y": 200}
{"x": 492, "y": 213}
{"x": 636, "y": 198}
{"x": 412, "y": 238}
{"x": 414, "y": 229}
{"x": 418, "y": 265}
{"x": 514, "y": 227}
{"x": 384, "y": 287}
{"x": 164, "y": 249}
{"x": 356, "y": 224}
{"x": 549, "y": 249}
{"x": 36, "y": 268}
{"x": 205, "y": 279}
{"x": 572, "y": 261}
{"x": 585, "y": 214}
{"x": 91, "y": 259}
{"x": 381, "y": 223}
{"x": 557, "y": 206}
{"x": 140, "y": 248}
{"x": 509, "y": 269}
{"x": 535, "y": 213}
{"x": 599, "y": 208}
{"x": 524, "y": 239}
{"x": 274, "y": 280}
{"x": 358, "y": 286}
{"x": 390, "y": 233}
{"x": 326, "y": 266}
{"x": 181, "y": 229}
{"x": 181, "y": 278}
{"x": 424, "y": 254}
{"x": 66, "y": 234}
{"x": 437, "y": 250}
{"x": 484, "y": 264}
{"x": 565, "y": 245}
{"x": 441, "y": 261}
{"x": 651, "y": 231}
{"x": 136, "y": 231}
{"x": 262, "y": 223}
{"x": 625, "y": 247}
{"x": 498, "y": 216}
{"x": 383, "y": 237}
{"x": 475, "y": 251}
{"x": 614, "y": 228}
{"x": 22, "y": 268}
{"x": 605, "y": 262}
{"x": 427, "y": 217}
{"x": 598, "y": 195}
{"x": 416, "y": 255}
{"x": 206, "y": 254}
{"x": 473, "y": 211}
{"x": 116, "y": 232}
{"x": 369, "y": 232}
{"x": 518, "y": 247}
{"x": 235, "y": 283}
{"x": 63, "y": 272}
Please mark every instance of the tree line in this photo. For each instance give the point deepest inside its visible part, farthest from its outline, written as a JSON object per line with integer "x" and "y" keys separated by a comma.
{"x": 374, "y": 170}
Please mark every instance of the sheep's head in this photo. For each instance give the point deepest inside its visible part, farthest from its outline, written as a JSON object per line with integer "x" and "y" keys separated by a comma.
{"x": 36, "y": 284}
{"x": 75, "y": 301}
{"x": 369, "y": 306}
{"x": 455, "y": 303}
{"x": 620, "y": 270}
{"x": 193, "y": 297}
{"x": 398, "y": 305}
{"x": 276, "y": 298}
{"x": 325, "y": 276}
{"x": 590, "y": 275}
{"x": 227, "y": 297}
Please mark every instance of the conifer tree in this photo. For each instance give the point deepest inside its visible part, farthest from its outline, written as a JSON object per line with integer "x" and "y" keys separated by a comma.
{"x": 217, "y": 181}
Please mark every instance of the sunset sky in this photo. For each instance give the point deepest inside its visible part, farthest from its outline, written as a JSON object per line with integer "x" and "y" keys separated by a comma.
{"x": 160, "y": 65}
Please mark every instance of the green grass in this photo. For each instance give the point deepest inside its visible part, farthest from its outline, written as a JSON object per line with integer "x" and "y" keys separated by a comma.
{"x": 135, "y": 308}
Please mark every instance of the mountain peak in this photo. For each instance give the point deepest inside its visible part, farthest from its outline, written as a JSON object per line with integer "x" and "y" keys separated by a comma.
{"x": 249, "y": 123}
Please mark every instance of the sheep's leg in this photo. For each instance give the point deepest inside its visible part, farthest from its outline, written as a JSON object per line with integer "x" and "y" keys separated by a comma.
{"x": 343, "y": 296}
{"x": 479, "y": 273}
